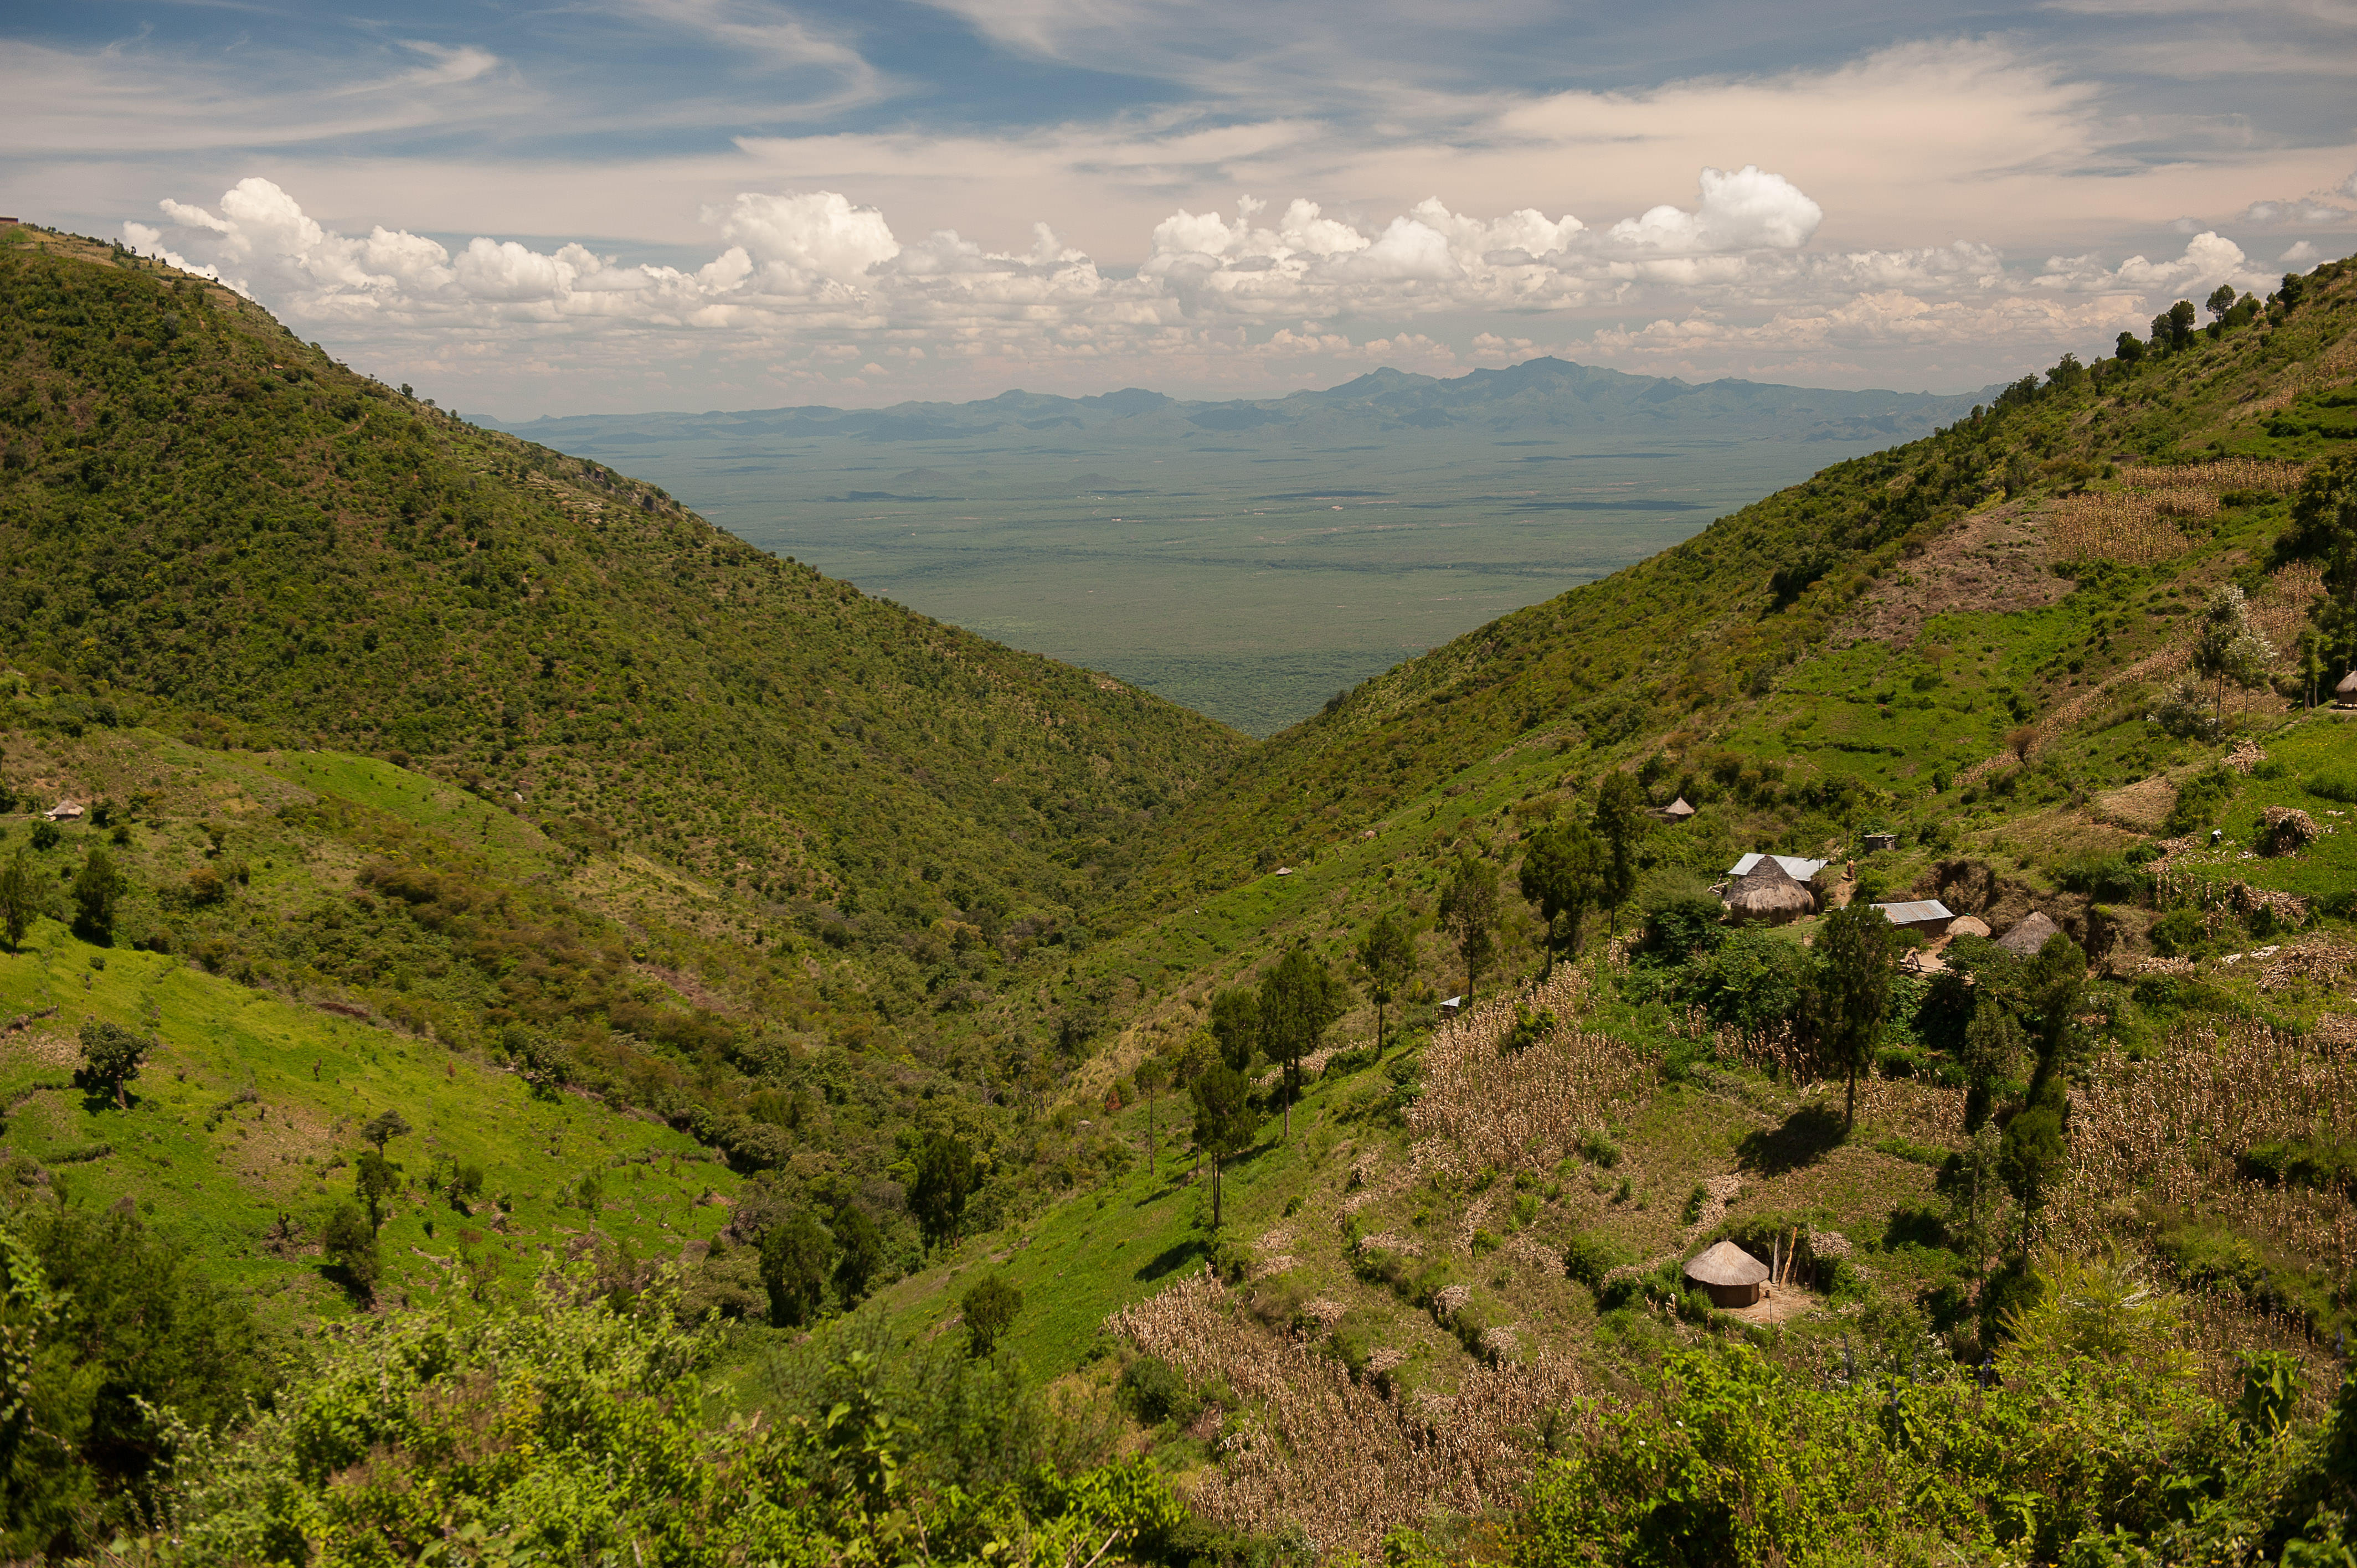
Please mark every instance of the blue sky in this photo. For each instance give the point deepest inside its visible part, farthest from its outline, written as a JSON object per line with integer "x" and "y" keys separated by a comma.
{"x": 617, "y": 204}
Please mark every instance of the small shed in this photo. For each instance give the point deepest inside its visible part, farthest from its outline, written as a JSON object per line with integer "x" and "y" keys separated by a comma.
{"x": 1795, "y": 867}
{"x": 1928, "y": 916}
{"x": 1880, "y": 841}
{"x": 1453, "y": 1005}
{"x": 1677, "y": 811}
{"x": 1769, "y": 894}
{"x": 1731, "y": 1275}
{"x": 2028, "y": 934}
{"x": 2344, "y": 695}
{"x": 64, "y": 811}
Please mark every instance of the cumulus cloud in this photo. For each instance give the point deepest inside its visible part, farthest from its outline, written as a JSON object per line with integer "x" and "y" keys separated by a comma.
{"x": 818, "y": 284}
{"x": 2270, "y": 213}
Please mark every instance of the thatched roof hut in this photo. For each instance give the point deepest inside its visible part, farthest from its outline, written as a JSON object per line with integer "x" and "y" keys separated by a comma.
{"x": 1731, "y": 1275}
{"x": 1677, "y": 811}
{"x": 1968, "y": 926}
{"x": 1768, "y": 894}
{"x": 2028, "y": 934}
{"x": 66, "y": 810}
{"x": 2345, "y": 694}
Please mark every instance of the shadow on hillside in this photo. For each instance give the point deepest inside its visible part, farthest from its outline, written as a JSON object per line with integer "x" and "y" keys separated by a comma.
{"x": 1807, "y": 1136}
{"x": 1171, "y": 1259}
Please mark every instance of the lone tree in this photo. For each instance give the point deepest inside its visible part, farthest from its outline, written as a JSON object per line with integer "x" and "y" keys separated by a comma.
{"x": 20, "y": 898}
{"x": 1855, "y": 954}
{"x": 1152, "y": 1077}
{"x": 2229, "y": 648}
{"x": 1469, "y": 907}
{"x": 348, "y": 1244}
{"x": 859, "y": 1253}
{"x": 112, "y": 1055}
{"x": 95, "y": 891}
{"x": 989, "y": 1309}
{"x": 1386, "y": 960}
{"x": 1622, "y": 819}
{"x": 946, "y": 1176}
{"x": 1566, "y": 874}
{"x": 383, "y": 1127}
{"x": 1235, "y": 1025}
{"x": 375, "y": 1179}
{"x": 795, "y": 1252}
{"x": 1299, "y": 1000}
{"x": 1224, "y": 1123}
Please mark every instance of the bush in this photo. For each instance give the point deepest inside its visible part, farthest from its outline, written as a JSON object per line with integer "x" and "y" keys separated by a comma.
{"x": 2199, "y": 799}
{"x": 1154, "y": 1391}
{"x": 2341, "y": 786}
{"x": 989, "y": 1309}
{"x": 2180, "y": 933}
{"x": 1589, "y": 1258}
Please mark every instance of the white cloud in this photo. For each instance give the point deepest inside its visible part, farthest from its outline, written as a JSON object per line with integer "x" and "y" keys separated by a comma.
{"x": 1747, "y": 210}
{"x": 2266, "y": 214}
{"x": 2302, "y": 255}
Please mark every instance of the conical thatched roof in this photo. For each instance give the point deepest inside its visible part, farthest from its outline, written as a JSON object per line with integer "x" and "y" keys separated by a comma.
{"x": 2029, "y": 935}
{"x": 1726, "y": 1264}
{"x": 2348, "y": 687}
{"x": 1968, "y": 926}
{"x": 1767, "y": 892}
{"x": 1677, "y": 811}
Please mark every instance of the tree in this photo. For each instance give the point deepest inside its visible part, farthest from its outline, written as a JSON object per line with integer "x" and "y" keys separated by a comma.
{"x": 2032, "y": 1146}
{"x": 1565, "y": 873}
{"x": 1851, "y": 1000}
{"x": 2221, "y": 300}
{"x": 349, "y": 1242}
{"x": 1992, "y": 1051}
{"x": 1299, "y": 1000}
{"x": 989, "y": 1310}
{"x": 2228, "y": 648}
{"x": 1151, "y": 1077}
{"x": 2173, "y": 329}
{"x": 1469, "y": 907}
{"x": 95, "y": 891}
{"x": 1386, "y": 960}
{"x": 2129, "y": 348}
{"x": 1235, "y": 1025}
{"x": 1224, "y": 1123}
{"x": 946, "y": 1176}
{"x": 1622, "y": 817}
{"x": 795, "y": 1252}
{"x": 20, "y": 898}
{"x": 859, "y": 1253}
{"x": 113, "y": 1055}
{"x": 383, "y": 1127}
{"x": 375, "y": 1179}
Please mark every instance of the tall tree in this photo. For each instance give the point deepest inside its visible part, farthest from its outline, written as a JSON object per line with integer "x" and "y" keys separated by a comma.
{"x": 859, "y": 1255}
{"x": 795, "y": 1252}
{"x": 945, "y": 1178}
{"x": 1386, "y": 960}
{"x": 1469, "y": 907}
{"x": 20, "y": 898}
{"x": 1152, "y": 1077}
{"x": 1235, "y": 1025}
{"x": 989, "y": 1310}
{"x": 2228, "y": 647}
{"x": 1622, "y": 817}
{"x": 383, "y": 1127}
{"x": 1299, "y": 1000}
{"x": 1566, "y": 872}
{"x": 375, "y": 1179}
{"x": 95, "y": 892}
{"x": 1856, "y": 952}
{"x": 1224, "y": 1123}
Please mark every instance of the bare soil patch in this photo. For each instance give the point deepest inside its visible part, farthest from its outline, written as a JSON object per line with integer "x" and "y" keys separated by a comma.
{"x": 1990, "y": 561}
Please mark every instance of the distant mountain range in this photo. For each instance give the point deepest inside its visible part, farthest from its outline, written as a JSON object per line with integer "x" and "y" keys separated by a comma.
{"x": 1538, "y": 398}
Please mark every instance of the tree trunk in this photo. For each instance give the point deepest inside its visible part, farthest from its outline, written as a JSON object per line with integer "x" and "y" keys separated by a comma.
{"x": 1849, "y": 1113}
{"x": 1216, "y": 1164}
{"x": 1379, "y": 1031}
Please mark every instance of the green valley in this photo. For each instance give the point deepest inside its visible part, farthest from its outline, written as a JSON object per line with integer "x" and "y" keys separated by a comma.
{"x": 639, "y": 1052}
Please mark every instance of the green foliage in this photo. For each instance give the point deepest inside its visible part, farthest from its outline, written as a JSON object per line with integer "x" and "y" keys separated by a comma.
{"x": 1155, "y": 1391}
{"x": 115, "y": 1353}
{"x": 97, "y": 887}
{"x": 796, "y": 1254}
{"x": 1588, "y": 1257}
{"x": 2199, "y": 799}
{"x": 1850, "y": 999}
{"x": 1569, "y": 870}
{"x": 1469, "y": 907}
{"x": 946, "y": 1179}
{"x": 347, "y": 1240}
{"x": 1385, "y": 957}
{"x": 383, "y": 1127}
{"x": 989, "y": 1309}
{"x": 860, "y": 1253}
{"x": 1225, "y": 1122}
{"x": 569, "y": 1433}
{"x": 2180, "y": 933}
{"x": 1753, "y": 979}
{"x": 112, "y": 1055}
{"x": 1299, "y": 1000}
{"x": 20, "y": 898}
{"x": 375, "y": 1179}
{"x": 1235, "y": 1025}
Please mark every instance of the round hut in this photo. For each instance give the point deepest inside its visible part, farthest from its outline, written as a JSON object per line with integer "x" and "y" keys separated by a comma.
{"x": 1767, "y": 894}
{"x": 2028, "y": 934}
{"x": 2344, "y": 695}
{"x": 1731, "y": 1275}
{"x": 1968, "y": 926}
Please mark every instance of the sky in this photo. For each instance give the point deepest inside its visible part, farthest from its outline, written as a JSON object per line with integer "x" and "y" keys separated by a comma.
{"x": 613, "y": 206}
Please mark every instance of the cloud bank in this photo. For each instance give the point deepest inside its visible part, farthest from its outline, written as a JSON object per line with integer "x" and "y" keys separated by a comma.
{"x": 810, "y": 288}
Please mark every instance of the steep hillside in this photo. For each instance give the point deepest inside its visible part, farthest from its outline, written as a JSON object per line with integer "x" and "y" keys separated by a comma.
{"x": 206, "y": 524}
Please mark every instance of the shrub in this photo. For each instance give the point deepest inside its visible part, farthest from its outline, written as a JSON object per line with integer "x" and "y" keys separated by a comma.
{"x": 2341, "y": 786}
{"x": 2180, "y": 933}
{"x": 989, "y": 1309}
{"x": 1589, "y": 1258}
{"x": 1155, "y": 1391}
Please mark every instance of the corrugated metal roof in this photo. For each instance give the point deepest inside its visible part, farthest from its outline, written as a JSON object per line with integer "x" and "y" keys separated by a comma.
{"x": 1796, "y": 868}
{"x": 1912, "y": 913}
